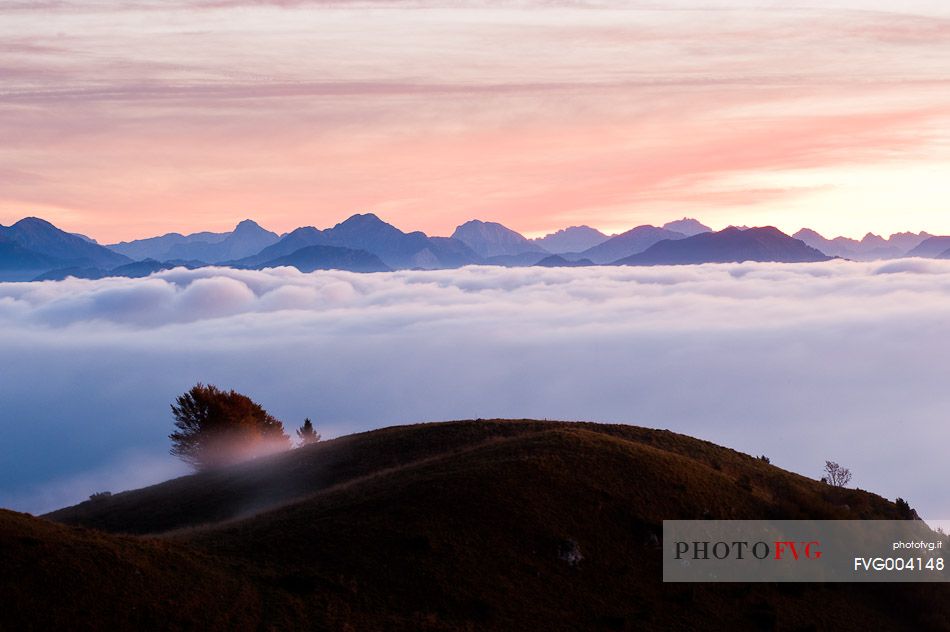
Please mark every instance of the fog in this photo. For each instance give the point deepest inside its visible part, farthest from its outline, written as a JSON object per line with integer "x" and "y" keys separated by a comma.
{"x": 803, "y": 363}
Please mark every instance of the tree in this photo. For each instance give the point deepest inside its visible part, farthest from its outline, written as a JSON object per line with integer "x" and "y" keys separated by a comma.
{"x": 307, "y": 434}
{"x": 835, "y": 475}
{"x": 216, "y": 428}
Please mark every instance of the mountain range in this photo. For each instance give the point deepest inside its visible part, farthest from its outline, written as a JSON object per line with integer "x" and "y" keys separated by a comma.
{"x": 870, "y": 248}
{"x": 571, "y": 239}
{"x": 729, "y": 245}
{"x": 34, "y": 249}
{"x": 33, "y": 246}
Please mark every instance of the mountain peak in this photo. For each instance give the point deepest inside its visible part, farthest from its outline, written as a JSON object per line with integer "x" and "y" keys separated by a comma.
{"x": 571, "y": 239}
{"x": 481, "y": 223}
{"x": 491, "y": 239}
{"x": 34, "y": 222}
{"x": 247, "y": 224}
{"x": 767, "y": 230}
{"x": 47, "y": 242}
{"x": 362, "y": 219}
{"x": 687, "y": 226}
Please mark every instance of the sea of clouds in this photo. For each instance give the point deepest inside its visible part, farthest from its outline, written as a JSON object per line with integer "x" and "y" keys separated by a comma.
{"x": 803, "y": 363}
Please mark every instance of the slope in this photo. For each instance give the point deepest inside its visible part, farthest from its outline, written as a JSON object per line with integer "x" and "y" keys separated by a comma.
{"x": 461, "y": 526}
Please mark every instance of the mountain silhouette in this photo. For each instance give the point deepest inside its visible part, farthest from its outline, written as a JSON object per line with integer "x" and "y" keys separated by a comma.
{"x": 34, "y": 249}
{"x": 516, "y": 261}
{"x": 931, "y": 248}
{"x": 133, "y": 270}
{"x": 557, "y": 261}
{"x": 367, "y": 232}
{"x": 870, "y": 248}
{"x": 286, "y": 245}
{"x": 159, "y": 248}
{"x": 625, "y": 244}
{"x": 571, "y": 239}
{"x": 18, "y": 263}
{"x": 728, "y": 246}
{"x": 246, "y": 239}
{"x": 35, "y": 242}
{"x": 687, "y": 226}
{"x": 310, "y": 258}
{"x": 491, "y": 239}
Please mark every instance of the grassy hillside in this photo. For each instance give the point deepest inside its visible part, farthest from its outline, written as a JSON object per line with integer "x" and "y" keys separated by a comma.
{"x": 454, "y": 526}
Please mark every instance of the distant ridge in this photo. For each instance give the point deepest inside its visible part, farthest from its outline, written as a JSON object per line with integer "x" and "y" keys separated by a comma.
{"x": 246, "y": 239}
{"x": 625, "y": 244}
{"x": 491, "y": 239}
{"x": 557, "y": 261}
{"x": 871, "y": 247}
{"x": 931, "y": 248}
{"x": 571, "y": 239}
{"x": 158, "y": 248}
{"x": 730, "y": 245}
{"x": 33, "y": 245}
{"x": 367, "y": 232}
{"x": 687, "y": 226}
{"x": 35, "y": 249}
{"x": 311, "y": 258}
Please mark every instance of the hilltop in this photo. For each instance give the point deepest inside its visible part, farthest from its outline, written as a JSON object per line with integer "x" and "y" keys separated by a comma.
{"x": 445, "y": 526}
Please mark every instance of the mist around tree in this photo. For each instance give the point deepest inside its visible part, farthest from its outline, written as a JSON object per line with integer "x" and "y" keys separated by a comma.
{"x": 216, "y": 428}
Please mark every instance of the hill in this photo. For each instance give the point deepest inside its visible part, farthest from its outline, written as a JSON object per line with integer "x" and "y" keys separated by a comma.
{"x": 451, "y": 526}
{"x": 727, "y": 246}
{"x": 76, "y": 579}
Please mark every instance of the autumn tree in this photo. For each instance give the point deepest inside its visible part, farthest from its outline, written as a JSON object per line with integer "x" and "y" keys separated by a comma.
{"x": 307, "y": 434}
{"x": 216, "y": 427}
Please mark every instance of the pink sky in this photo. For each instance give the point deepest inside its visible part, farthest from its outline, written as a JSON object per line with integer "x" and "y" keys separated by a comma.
{"x": 193, "y": 114}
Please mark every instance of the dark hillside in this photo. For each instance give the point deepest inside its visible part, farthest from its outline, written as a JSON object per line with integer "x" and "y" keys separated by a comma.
{"x": 54, "y": 577}
{"x": 465, "y": 525}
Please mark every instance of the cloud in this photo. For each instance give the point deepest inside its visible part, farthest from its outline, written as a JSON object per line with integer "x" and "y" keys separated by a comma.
{"x": 800, "y": 362}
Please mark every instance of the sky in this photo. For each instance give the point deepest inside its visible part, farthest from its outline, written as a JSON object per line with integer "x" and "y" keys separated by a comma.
{"x": 125, "y": 120}
{"x": 802, "y": 363}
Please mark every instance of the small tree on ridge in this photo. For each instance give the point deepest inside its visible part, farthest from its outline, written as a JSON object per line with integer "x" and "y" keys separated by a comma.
{"x": 835, "y": 475}
{"x": 307, "y": 434}
{"x": 216, "y": 427}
